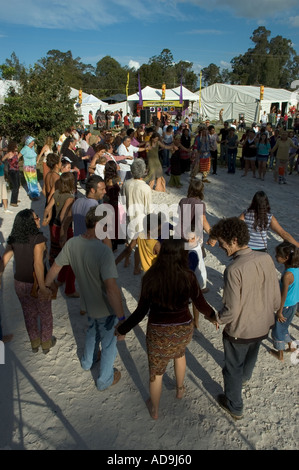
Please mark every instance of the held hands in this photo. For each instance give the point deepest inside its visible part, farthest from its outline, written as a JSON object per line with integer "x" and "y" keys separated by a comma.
{"x": 280, "y": 317}
{"x": 116, "y": 332}
{"x": 211, "y": 241}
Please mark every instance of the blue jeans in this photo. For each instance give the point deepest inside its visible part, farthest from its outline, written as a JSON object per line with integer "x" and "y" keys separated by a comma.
{"x": 165, "y": 158}
{"x": 231, "y": 160}
{"x": 101, "y": 330}
{"x": 240, "y": 360}
{"x": 280, "y": 331}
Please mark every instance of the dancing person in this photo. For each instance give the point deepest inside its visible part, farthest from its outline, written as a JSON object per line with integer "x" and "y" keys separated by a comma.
{"x": 282, "y": 149}
{"x": 62, "y": 199}
{"x": 214, "y": 140}
{"x": 184, "y": 146}
{"x": 166, "y": 289}
{"x": 27, "y": 245}
{"x": 251, "y": 295}
{"x": 249, "y": 151}
{"x": 263, "y": 148}
{"x": 47, "y": 148}
{"x": 259, "y": 220}
{"x": 175, "y": 164}
{"x": 197, "y": 265}
{"x": 29, "y": 168}
{"x": 232, "y": 142}
{"x": 288, "y": 255}
{"x": 3, "y": 189}
{"x": 94, "y": 266}
{"x": 202, "y": 147}
{"x": 155, "y": 177}
{"x": 197, "y": 217}
{"x": 52, "y": 176}
{"x": 223, "y": 133}
{"x": 12, "y": 157}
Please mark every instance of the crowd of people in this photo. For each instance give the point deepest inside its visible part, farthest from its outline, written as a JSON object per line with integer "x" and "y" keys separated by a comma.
{"x": 84, "y": 234}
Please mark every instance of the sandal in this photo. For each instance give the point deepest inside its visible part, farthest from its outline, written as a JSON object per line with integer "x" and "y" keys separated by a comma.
{"x": 180, "y": 392}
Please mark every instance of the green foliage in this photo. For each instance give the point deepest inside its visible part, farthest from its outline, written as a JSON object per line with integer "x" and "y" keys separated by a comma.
{"x": 41, "y": 108}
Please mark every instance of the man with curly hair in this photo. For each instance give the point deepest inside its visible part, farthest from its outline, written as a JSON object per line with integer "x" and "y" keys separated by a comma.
{"x": 251, "y": 295}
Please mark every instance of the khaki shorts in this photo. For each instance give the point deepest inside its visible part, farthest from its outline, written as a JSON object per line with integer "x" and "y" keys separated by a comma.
{"x": 3, "y": 188}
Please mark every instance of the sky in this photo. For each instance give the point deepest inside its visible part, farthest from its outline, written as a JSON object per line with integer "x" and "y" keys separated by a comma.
{"x": 133, "y": 31}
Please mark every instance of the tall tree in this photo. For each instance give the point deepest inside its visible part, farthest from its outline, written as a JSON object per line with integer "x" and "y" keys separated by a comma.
{"x": 211, "y": 74}
{"x": 111, "y": 76}
{"x": 41, "y": 107}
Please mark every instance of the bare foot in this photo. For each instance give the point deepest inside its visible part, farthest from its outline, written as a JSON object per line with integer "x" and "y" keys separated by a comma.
{"x": 277, "y": 354}
{"x": 150, "y": 407}
{"x": 137, "y": 271}
{"x": 289, "y": 349}
{"x": 180, "y": 392}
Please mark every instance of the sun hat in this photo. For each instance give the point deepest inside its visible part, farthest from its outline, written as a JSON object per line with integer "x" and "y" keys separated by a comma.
{"x": 29, "y": 139}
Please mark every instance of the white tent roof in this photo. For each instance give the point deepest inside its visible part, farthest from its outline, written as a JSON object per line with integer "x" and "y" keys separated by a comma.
{"x": 241, "y": 99}
{"x": 5, "y": 85}
{"x": 171, "y": 94}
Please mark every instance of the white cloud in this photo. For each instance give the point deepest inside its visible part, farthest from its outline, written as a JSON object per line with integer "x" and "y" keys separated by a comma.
{"x": 294, "y": 21}
{"x": 203, "y": 31}
{"x": 133, "y": 64}
{"x": 225, "y": 65}
{"x": 91, "y": 15}
{"x": 245, "y": 9}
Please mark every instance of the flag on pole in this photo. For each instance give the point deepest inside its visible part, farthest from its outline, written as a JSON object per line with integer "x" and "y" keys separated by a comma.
{"x": 140, "y": 92}
{"x": 181, "y": 88}
{"x": 127, "y": 86}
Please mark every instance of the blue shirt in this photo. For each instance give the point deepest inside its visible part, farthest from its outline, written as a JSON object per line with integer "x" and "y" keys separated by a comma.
{"x": 29, "y": 156}
{"x": 293, "y": 290}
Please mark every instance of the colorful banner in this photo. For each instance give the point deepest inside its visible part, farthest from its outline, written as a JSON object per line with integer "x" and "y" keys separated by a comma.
{"x": 163, "y": 103}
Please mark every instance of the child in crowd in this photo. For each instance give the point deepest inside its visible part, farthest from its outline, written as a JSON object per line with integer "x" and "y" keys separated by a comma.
{"x": 197, "y": 265}
{"x": 100, "y": 166}
{"x": 287, "y": 254}
{"x": 147, "y": 245}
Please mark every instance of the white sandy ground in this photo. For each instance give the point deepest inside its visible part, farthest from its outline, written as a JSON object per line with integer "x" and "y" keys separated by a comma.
{"x": 50, "y": 403}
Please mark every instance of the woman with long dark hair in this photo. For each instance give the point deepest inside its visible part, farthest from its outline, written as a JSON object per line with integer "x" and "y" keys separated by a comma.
{"x": 259, "y": 220}
{"x": 166, "y": 289}
{"x": 61, "y": 201}
{"x": 28, "y": 246}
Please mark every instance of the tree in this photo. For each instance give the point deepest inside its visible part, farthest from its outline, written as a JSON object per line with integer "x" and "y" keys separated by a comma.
{"x": 211, "y": 74}
{"x": 270, "y": 62}
{"x": 42, "y": 106}
{"x": 111, "y": 76}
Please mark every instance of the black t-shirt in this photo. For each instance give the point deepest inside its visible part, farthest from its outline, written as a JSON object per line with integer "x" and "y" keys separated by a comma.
{"x": 24, "y": 258}
{"x": 224, "y": 133}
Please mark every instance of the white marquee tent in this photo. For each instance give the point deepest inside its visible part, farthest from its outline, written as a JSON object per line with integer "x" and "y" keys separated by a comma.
{"x": 239, "y": 99}
{"x": 171, "y": 94}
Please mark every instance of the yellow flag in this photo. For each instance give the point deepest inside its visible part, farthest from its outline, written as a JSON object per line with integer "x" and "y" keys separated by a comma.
{"x": 127, "y": 86}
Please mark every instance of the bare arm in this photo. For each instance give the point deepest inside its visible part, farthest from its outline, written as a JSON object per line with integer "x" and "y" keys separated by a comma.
{"x": 114, "y": 297}
{"x": 38, "y": 255}
{"x": 8, "y": 254}
{"x": 48, "y": 212}
{"x": 274, "y": 225}
{"x": 287, "y": 279}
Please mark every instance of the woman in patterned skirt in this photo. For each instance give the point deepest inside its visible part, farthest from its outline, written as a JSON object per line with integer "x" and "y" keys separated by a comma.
{"x": 166, "y": 289}
{"x": 27, "y": 245}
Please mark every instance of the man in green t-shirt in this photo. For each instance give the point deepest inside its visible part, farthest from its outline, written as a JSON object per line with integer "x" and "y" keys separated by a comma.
{"x": 95, "y": 270}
